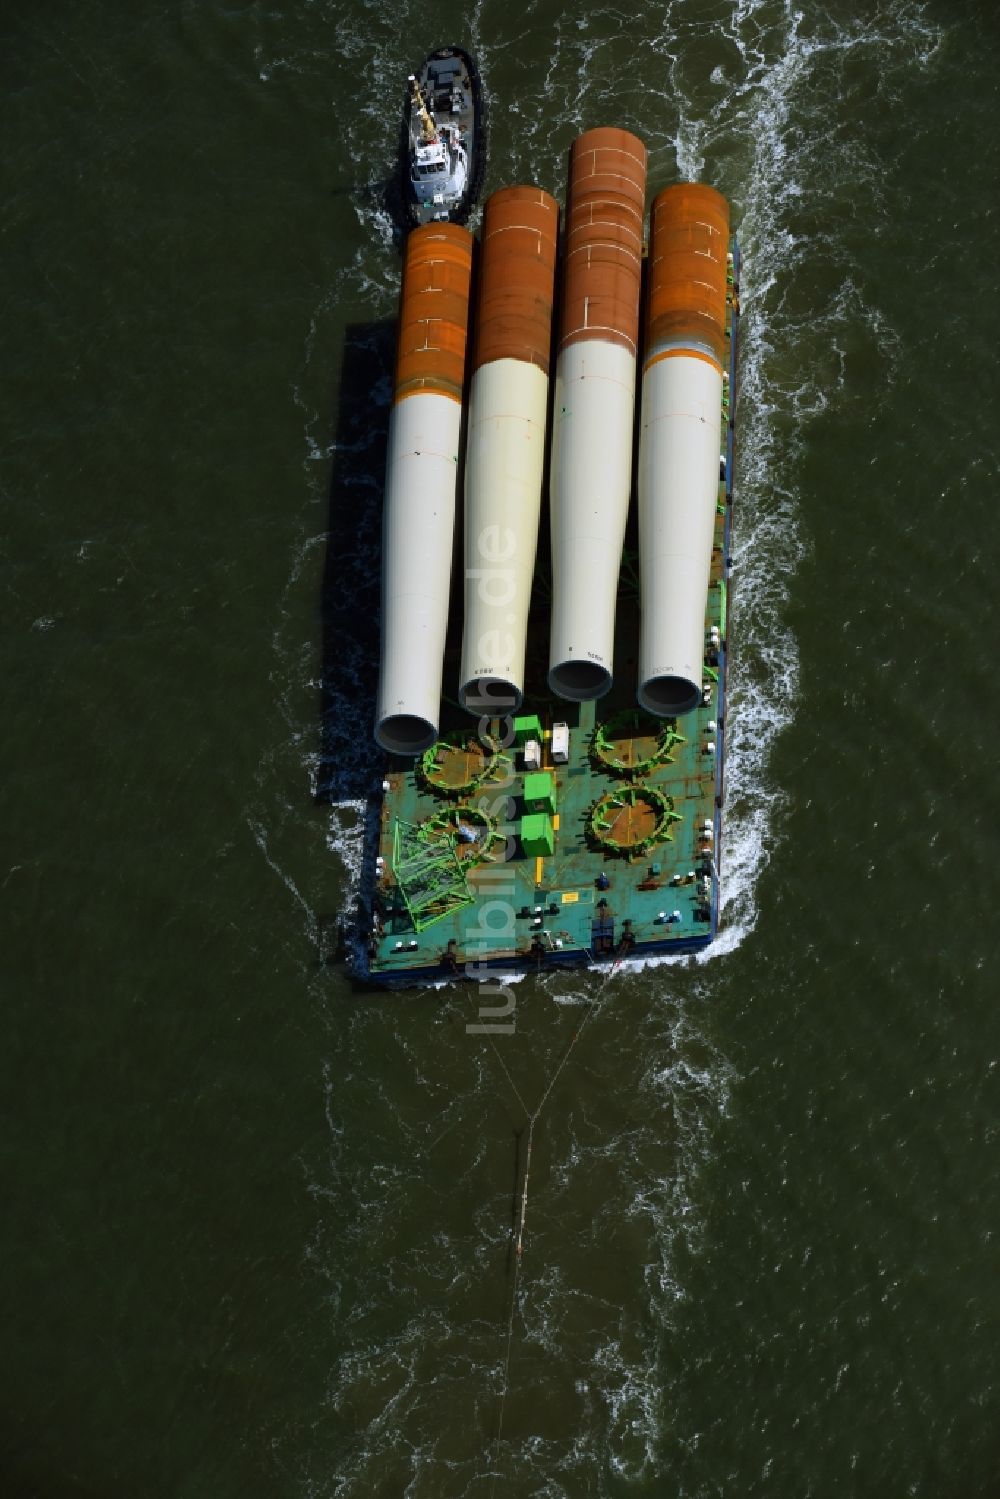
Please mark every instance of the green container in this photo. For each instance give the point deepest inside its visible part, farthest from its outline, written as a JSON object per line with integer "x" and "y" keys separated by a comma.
{"x": 537, "y": 837}
{"x": 540, "y": 792}
{"x": 529, "y": 727}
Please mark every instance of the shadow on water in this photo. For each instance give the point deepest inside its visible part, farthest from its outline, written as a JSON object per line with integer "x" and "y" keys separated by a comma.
{"x": 350, "y": 762}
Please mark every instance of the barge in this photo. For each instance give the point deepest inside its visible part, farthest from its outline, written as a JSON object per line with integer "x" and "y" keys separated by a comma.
{"x": 554, "y": 779}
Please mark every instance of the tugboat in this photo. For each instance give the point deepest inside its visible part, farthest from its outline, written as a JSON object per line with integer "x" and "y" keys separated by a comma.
{"x": 444, "y": 139}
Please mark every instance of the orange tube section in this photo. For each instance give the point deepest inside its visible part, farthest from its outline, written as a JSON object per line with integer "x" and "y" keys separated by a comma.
{"x": 603, "y": 254}
{"x": 434, "y": 312}
{"x": 517, "y": 276}
{"x": 688, "y": 242}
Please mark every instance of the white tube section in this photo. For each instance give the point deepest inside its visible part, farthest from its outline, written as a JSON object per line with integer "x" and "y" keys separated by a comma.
{"x": 679, "y": 448}
{"x": 589, "y": 488}
{"x": 418, "y": 535}
{"x": 505, "y": 456}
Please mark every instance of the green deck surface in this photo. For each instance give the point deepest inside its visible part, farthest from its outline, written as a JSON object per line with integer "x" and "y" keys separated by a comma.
{"x": 561, "y": 893}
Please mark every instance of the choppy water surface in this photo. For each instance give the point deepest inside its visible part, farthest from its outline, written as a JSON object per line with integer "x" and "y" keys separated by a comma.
{"x": 258, "y": 1224}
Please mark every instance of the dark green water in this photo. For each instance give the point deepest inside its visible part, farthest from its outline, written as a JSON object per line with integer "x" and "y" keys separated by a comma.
{"x": 256, "y": 1224}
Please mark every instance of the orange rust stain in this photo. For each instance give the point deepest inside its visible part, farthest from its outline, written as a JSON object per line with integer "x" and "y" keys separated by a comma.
{"x": 688, "y": 243}
{"x": 516, "y": 277}
{"x": 602, "y": 265}
{"x": 434, "y": 312}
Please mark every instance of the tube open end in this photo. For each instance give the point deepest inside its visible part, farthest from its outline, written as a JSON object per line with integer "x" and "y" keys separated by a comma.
{"x": 405, "y": 734}
{"x": 490, "y": 697}
{"x": 668, "y": 697}
{"x": 579, "y": 681}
